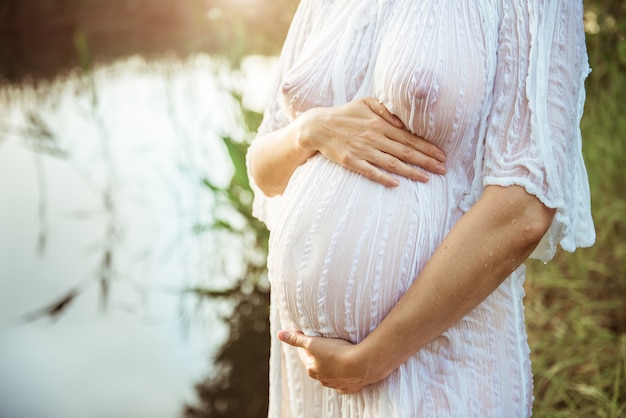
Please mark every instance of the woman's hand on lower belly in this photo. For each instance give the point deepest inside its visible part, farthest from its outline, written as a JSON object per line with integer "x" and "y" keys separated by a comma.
{"x": 333, "y": 362}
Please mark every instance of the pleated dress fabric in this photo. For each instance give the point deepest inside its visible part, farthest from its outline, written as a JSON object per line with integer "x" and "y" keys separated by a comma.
{"x": 497, "y": 85}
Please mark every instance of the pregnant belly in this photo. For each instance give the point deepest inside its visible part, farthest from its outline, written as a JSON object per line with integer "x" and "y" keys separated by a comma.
{"x": 346, "y": 249}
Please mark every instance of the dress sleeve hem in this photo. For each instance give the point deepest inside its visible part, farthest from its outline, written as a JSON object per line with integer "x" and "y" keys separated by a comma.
{"x": 560, "y": 232}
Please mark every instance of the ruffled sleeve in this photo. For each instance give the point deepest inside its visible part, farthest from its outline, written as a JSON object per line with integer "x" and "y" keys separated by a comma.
{"x": 532, "y": 135}
{"x": 275, "y": 116}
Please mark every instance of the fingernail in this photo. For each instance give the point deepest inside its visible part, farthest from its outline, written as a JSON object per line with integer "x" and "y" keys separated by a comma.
{"x": 440, "y": 168}
{"x": 440, "y": 156}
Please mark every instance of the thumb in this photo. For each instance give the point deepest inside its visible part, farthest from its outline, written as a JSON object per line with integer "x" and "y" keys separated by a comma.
{"x": 382, "y": 111}
{"x": 296, "y": 339}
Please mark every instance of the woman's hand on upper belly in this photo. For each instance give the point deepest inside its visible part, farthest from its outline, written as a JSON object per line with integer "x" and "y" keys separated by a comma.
{"x": 331, "y": 361}
{"x": 365, "y": 137}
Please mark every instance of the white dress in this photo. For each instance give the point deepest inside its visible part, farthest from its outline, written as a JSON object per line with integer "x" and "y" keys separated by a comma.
{"x": 497, "y": 85}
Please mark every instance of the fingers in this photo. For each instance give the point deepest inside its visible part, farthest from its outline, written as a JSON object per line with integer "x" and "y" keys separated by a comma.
{"x": 301, "y": 342}
{"x": 414, "y": 142}
{"x": 404, "y": 149}
{"x": 382, "y": 111}
{"x": 383, "y": 167}
{"x": 371, "y": 172}
{"x": 401, "y": 158}
{"x": 399, "y": 167}
{"x": 318, "y": 356}
{"x": 295, "y": 339}
{"x": 394, "y": 159}
{"x": 365, "y": 137}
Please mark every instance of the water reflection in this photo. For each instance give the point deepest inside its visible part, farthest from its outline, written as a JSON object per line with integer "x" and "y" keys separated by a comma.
{"x": 101, "y": 189}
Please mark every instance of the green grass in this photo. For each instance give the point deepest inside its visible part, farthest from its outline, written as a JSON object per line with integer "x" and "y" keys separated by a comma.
{"x": 576, "y": 331}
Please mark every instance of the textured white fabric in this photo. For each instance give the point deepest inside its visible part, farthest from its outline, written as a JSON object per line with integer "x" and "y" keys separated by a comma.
{"x": 498, "y": 85}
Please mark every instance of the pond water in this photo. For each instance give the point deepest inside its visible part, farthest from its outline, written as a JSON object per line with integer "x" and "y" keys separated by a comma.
{"x": 101, "y": 197}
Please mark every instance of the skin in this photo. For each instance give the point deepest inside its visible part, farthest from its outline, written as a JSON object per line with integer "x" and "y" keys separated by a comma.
{"x": 357, "y": 136}
{"x": 361, "y": 135}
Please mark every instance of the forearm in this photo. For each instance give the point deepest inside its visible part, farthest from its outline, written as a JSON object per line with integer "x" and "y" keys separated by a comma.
{"x": 479, "y": 253}
{"x": 273, "y": 158}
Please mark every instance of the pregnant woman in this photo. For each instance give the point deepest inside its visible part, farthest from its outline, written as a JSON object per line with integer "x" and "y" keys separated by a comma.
{"x": 414, "y": 154}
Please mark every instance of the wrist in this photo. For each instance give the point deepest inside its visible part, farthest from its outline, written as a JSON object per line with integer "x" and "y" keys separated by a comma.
{"x": 303, "y": 135}
{"x": 371, "y": 361}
